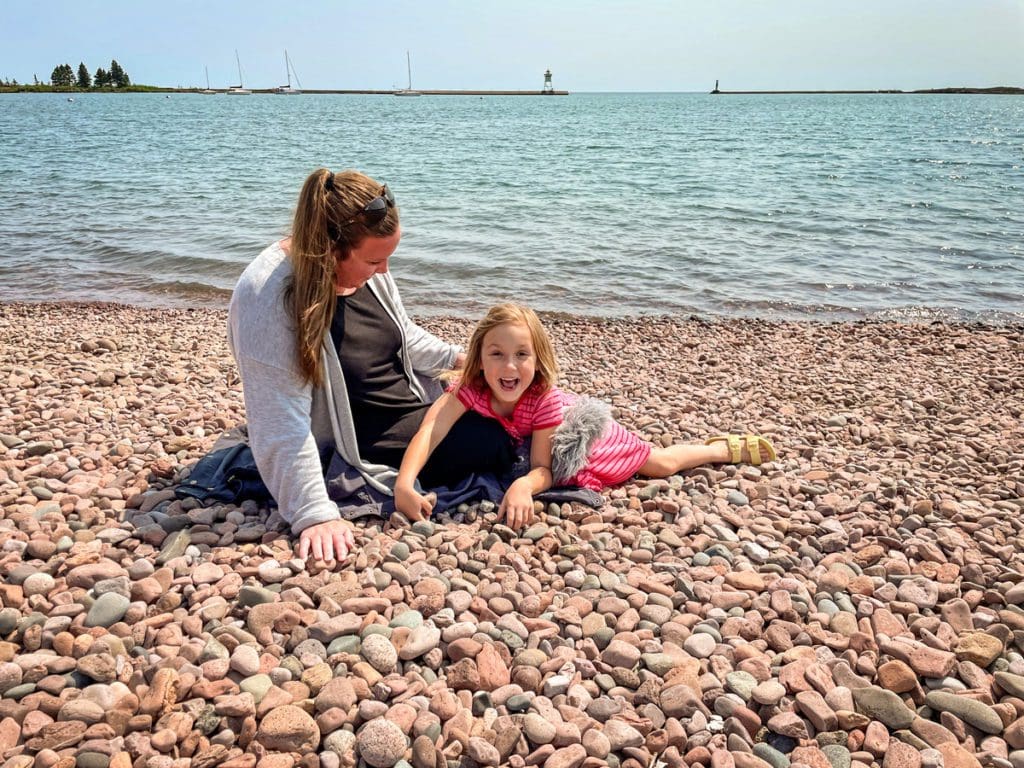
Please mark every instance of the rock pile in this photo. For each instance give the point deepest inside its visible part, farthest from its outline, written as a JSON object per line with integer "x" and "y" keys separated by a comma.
{"x": 859, "y": 602}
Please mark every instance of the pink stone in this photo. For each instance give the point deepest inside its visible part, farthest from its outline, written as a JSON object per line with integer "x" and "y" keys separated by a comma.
{"x": 492, "y": 669}
{"x": 900, "y": 755}
{"x": 569, "y": 757}
{"x": 620, "y": 654}
{"x": 288, "y": 729}
{"x": 955, "y": 756}
{"x": 931, "y": 662}
{"x": 788, "y": 724}
{"x": 813, "y": 706}
{"x": 810, "y": 756}
{"x": 792, "y": 676}
{"x": 897, "y": 677}
{"x": 207, "y": 573}
{"x": 338, "y": 692}
{"x": 86, "y": 576}
{"x": 876, "y": 738}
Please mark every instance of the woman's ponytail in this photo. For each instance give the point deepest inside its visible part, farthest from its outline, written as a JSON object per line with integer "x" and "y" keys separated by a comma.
{"x": 324, "y": 231}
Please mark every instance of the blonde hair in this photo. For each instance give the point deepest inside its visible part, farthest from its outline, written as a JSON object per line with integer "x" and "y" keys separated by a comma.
{"x": 472, "y": 376}
{"x": 327, "y": 226}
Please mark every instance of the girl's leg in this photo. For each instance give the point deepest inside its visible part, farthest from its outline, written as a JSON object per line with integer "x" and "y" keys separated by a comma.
{"x": 667, "y": 461}
{"x": 475, "y": 444}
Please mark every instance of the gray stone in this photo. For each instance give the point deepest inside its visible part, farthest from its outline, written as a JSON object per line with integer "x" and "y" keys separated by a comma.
{"x": 108, "y": 609}
{"x": 838, "y": 755}
{"x": 972, "y": 711}
{"x": 771, "y": 755}
{"x": 883, "y": 705}
{"x": 1011, "y": 683}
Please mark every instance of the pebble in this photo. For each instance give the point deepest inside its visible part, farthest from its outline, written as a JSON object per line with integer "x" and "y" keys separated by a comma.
{"x": 972, "y": 711}
{"x": 108, "y": 609}
{"x": 380, "y": 653}
{"x": 381, "y": 743}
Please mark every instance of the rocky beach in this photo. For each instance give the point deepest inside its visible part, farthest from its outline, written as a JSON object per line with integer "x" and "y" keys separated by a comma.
{"x": 857, "y": 602}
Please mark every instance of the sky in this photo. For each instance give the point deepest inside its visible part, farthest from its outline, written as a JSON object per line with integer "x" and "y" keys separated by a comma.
{"x": 593, "y": 45}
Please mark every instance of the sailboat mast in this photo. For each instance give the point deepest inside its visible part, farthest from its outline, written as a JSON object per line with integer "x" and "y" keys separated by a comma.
{"x": 408, "y": 65}
{"x": 288, "y": 68}
{"x": 239, "y": 62}
{"x": 206, "y": 69}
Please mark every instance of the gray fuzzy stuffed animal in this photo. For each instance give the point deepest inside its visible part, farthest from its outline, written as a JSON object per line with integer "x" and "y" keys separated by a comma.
{"x": 583, "y": 422}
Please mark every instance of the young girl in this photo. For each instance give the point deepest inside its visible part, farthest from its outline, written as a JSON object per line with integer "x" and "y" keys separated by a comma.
{"x": 509, "y": 375}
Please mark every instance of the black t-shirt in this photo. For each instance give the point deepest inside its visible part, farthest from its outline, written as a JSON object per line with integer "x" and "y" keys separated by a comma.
{"x": 385, "y": 411}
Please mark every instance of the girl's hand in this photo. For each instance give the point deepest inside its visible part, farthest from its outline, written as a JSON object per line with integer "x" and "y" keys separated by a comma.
{"x": 517, "y": 506}
{"x": 332, "y": 540}
{"x": 412, "y": 504}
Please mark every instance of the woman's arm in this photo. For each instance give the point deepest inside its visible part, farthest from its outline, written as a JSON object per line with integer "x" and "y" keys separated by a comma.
{"x": 437, "y": 423}
{"x": 517, "y": 506}
{"x": 278, "y": 406}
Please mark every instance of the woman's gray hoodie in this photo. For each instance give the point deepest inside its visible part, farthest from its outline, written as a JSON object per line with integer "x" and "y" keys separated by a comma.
{"x": 290, "y": 421}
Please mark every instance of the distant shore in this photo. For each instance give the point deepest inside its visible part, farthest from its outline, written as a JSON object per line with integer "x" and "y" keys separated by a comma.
{"x": 999, "y": 90}
{"x": 264, "y": 91}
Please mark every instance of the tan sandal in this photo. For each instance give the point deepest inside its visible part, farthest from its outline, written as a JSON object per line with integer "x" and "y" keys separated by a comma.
{"x": 759, "y": 448}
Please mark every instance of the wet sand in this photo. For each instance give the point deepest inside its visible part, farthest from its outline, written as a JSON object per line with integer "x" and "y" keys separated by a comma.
{"x": 857, "y": 602}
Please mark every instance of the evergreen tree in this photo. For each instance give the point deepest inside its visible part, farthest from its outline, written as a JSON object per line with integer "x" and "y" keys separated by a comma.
{"x": 101, "y": 79}
{"x": 118, "y": 77}
{"x": 62, "y": 76}
{"x": 84, "y": 79}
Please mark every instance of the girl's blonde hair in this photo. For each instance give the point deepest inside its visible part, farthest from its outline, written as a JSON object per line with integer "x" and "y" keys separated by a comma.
{"x": 328, "y": 224}
{"x": 472, "y": 375}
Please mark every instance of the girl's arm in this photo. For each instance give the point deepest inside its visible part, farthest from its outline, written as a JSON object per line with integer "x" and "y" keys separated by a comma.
{"x": 517, "y": 506}
{"x": 437, "y": 423}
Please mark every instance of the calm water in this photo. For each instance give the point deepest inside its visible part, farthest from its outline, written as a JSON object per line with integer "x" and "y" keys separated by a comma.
{"x": 828, "y": 207}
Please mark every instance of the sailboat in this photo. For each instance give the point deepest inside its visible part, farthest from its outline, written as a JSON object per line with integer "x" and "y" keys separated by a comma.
{"x": 240, "y": 89}
{"x": 208, "y": 89}
{"x": 408, "y": 91}
{"x": 287, "y": 90}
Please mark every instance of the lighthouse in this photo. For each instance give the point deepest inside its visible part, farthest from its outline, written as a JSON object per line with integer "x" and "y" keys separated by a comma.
{"x": 548, "y": 89}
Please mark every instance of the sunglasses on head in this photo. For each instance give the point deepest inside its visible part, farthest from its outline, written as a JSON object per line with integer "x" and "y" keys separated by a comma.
{"x": 375, "y": 210}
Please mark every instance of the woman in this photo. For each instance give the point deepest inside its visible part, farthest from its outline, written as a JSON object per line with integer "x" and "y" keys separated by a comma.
{"x": 331, "y": 362}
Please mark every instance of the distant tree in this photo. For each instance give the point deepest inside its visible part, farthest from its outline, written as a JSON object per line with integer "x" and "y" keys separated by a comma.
{"x": 62, "y": 76}
{"x": 118, "y": 77}
{"x": 35, "y": 80}
{"x": 101, "y": 79}
{"x": 84, "y": 79}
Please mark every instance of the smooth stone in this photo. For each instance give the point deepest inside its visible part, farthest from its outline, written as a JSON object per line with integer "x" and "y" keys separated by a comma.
{"x": 108, "y": 609}
{"x": 972, "y": 711}
{"x": 381, "y": 743}
{"x": 883, "y": 705}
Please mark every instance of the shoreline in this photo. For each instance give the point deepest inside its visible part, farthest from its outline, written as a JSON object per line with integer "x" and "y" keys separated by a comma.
{"x": 942, "y": 317}
{"x": 861, "y": 596}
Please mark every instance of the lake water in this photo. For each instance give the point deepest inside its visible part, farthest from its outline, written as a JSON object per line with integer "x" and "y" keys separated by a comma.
{"x": 801, "y": 206}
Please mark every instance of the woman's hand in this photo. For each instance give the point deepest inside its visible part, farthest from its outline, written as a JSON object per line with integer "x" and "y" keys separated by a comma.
{"x": 517, "y": 506}
{"x": 332, "y": 540}
{"x": 412, "y": 504}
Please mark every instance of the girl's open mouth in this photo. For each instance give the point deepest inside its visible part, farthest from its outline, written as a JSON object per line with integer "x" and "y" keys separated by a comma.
{"x": 508, "y": 385}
